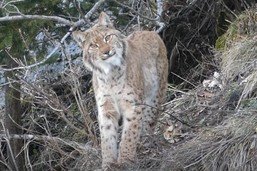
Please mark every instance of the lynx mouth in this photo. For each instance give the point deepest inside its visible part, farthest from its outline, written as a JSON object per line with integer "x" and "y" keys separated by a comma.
{"x": 105, "y": 57}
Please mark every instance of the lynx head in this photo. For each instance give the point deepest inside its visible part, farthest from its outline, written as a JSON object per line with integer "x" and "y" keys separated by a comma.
{"x": 102, "y": 45}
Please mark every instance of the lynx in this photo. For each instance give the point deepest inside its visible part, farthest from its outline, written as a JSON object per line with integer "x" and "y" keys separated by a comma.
{"x": 129, "y": 81}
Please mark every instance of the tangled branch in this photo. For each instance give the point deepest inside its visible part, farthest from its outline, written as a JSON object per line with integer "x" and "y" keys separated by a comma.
{"x": 59, "y": 19}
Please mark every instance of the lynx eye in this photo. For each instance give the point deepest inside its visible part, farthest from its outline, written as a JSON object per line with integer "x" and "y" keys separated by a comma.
{"x": 107, "y": 38}
{"x": 93, "y": 46}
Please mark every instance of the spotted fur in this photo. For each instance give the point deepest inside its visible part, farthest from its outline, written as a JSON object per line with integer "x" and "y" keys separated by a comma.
{"x": 129, "y": 76}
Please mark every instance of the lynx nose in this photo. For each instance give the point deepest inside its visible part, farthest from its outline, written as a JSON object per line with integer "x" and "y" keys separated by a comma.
{"x": 111, "y": 52}
{"x": 108, "y": 54}
{"x": 106, "y": 51}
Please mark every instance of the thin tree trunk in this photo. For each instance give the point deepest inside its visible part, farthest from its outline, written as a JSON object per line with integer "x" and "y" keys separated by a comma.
{"x": 13, "y": 119}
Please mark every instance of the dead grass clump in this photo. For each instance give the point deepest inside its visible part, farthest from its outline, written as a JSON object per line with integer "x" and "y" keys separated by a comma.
{"x": 239, "y": 64}
{"x": 243, "y": 27}
{"x": 230, "y": 146}
{"x": 239, "y": 59}
{"x": 219, "y": 117}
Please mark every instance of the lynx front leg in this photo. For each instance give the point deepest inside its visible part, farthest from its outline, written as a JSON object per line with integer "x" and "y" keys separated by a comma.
{"x": 132, "y": 118}
{"x": 108, "y": 123}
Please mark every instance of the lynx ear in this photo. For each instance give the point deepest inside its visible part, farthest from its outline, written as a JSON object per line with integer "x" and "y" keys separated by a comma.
{"x": 79, "y": 37}
{"x": 104, "y": 20}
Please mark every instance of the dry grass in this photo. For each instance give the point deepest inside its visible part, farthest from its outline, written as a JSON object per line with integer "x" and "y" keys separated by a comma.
{"x": 228, "y": 146}
{"x": 223, "y": 136}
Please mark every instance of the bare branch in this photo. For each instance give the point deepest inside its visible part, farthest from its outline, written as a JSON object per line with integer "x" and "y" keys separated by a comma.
{"x": 44, "y": 138}
{"x": 89, "y": 14}
{"x": 159, "y": 14}
{"x": 159, "y": 7}
{"x": 36, "y": 17}
{"x": 156, "y": 20}
{"x": 134, "y": 11}
{"x": 72, "y": 28}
